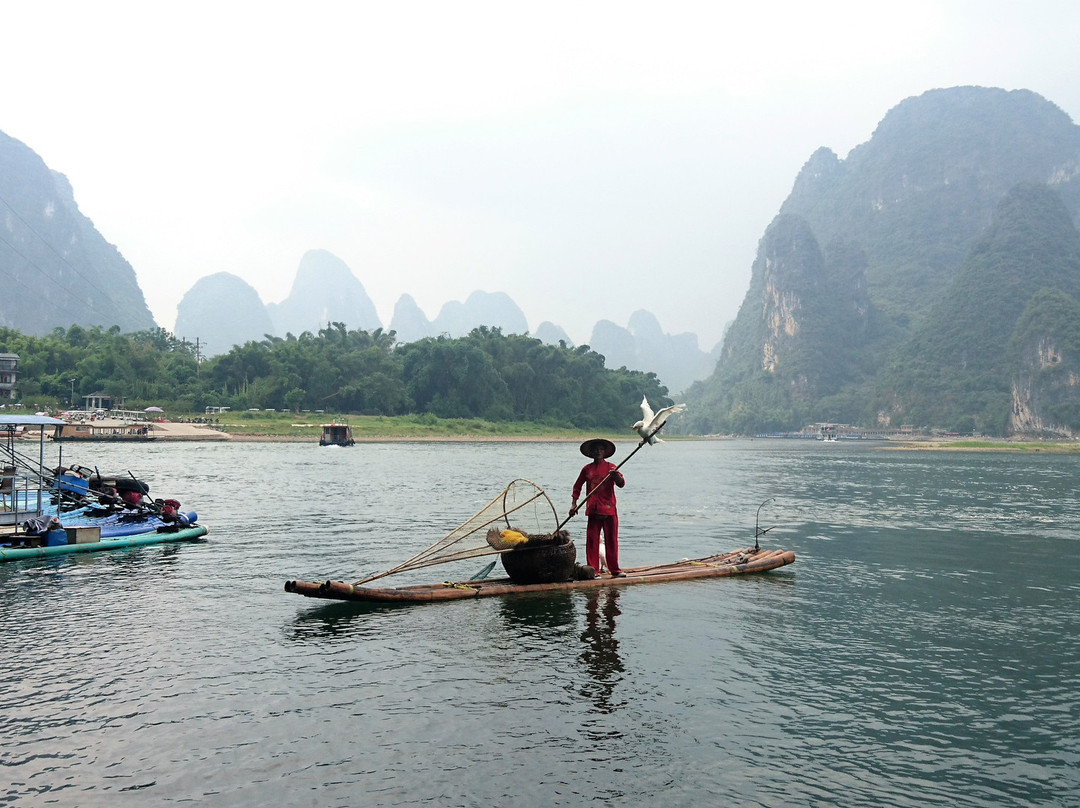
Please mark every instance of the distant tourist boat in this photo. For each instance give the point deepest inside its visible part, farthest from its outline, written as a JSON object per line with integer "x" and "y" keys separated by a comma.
{"x": 336, "y": 435}
{"x": 104, "y": 430}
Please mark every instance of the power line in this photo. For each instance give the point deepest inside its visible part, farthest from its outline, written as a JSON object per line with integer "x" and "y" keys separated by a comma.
{"x": 75, "y": 316}
{"x": 118, "y": 311}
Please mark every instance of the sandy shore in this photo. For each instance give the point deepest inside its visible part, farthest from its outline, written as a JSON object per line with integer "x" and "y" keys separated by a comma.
{"x": 175, "y": 431}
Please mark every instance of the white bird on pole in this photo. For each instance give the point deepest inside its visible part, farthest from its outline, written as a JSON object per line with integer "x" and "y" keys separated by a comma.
{"x": 651, "y": 422}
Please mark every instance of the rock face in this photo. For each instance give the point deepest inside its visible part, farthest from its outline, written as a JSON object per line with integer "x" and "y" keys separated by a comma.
{"x": 58, "y": 270}
{"x": 325, "y": 290}
{"x": 1039, "y": 387}
{"x": 888, "y": 289}
{"x": 1045, "y": 352}
{"x": 918, "y": 194}
{"x": 1002, "y": 325}
{"x": 221, "y": 311}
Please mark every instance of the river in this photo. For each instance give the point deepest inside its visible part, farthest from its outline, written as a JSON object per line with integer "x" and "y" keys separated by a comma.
{"x": 922, "y": 650}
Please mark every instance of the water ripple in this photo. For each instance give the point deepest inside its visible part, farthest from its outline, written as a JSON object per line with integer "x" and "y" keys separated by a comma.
{"x": 920, "y": 652}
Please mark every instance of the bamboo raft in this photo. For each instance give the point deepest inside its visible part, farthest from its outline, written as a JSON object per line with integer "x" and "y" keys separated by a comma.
{"x": 739, "y": 562}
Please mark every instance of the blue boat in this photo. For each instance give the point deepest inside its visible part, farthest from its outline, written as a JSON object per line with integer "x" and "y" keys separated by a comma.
{"x": 62, "y": 511}
{"x": 128, "y": 523}
{"x": 82, "y": 540}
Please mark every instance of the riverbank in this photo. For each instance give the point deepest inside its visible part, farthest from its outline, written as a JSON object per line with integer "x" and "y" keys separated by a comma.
{"x": 388, "y": 433}
{"x": 404, "y": 439}
{"x": 261, "y": 426}
{"x": 378, "y": 429}
{"x": 985, "y": 445}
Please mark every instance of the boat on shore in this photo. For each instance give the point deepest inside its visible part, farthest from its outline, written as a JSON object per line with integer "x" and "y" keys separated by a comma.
{"x": 104, "y": 430}
{"x": 739, "y": 562}
{"x": 336, "y": 434}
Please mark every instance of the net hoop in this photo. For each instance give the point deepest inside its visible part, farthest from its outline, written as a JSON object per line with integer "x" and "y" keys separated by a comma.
{"x": 534, "y": 515}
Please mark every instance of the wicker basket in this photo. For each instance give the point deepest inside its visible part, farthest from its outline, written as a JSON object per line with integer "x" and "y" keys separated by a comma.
{"x": 544, "y": 564}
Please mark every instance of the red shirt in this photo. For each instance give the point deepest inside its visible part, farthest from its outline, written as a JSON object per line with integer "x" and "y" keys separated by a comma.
{"x": 602, "y": 503}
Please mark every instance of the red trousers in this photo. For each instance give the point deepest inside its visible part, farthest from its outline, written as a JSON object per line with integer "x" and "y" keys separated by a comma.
{"x": 610, "y": 526}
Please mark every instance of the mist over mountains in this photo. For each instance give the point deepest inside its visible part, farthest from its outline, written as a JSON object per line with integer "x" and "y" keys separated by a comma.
{"x": 61, "y": 271}
{"x": 222, "y": 310}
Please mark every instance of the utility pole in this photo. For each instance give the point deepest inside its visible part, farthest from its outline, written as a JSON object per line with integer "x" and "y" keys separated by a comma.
{"x": 198, "y": 353}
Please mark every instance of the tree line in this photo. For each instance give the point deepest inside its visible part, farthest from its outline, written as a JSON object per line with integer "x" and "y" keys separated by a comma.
{"x": 486, "y": 374}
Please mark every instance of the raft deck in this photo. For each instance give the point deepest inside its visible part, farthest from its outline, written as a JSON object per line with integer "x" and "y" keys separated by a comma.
{"x": 738, "y": 562}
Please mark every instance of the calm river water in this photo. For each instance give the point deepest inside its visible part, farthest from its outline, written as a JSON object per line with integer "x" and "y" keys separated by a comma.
{"x": 924, "y": 649}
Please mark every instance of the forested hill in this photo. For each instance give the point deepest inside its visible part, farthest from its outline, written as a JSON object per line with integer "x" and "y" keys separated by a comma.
{"x": 1000, "y": 373}
{"x": 484, "y": 375}
{"x": 881, "y": 294}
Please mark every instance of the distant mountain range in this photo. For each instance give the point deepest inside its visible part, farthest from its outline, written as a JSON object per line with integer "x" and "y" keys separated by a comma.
{"x": 61, "y": 272}
{"x": 222, "y": 310}
{"x": 931, "y": 279}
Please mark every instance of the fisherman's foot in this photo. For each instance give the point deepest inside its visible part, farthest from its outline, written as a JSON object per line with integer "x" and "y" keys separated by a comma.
{"x": 618, "y": 575}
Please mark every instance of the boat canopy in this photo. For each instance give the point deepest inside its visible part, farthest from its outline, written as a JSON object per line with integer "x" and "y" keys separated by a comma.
{"x": 29, "y": 420}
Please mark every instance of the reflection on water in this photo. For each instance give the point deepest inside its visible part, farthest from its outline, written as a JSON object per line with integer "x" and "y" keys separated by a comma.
{"x": 921, "y": 651}
{"x": 344, "y": 619}
{"x": 531, "y": 613}
{"x": 600, "y": 655}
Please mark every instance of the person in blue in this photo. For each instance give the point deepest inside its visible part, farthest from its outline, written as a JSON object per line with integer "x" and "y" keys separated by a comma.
{"x": 600, "y": 476}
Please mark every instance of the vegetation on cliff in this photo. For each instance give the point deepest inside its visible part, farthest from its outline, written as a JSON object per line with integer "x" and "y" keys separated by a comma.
{"x": 957, "y": 370}
{"x": 887, "y": 290}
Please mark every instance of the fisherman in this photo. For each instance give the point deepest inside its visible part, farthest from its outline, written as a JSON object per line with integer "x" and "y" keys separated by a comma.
{"x": 600, "y": 476}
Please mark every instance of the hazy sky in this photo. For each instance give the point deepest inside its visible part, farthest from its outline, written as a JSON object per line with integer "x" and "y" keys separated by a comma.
{"x": 588, "y": 159}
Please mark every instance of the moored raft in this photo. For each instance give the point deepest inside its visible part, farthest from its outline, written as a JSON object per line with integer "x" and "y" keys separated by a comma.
{"x": 160, "y": 536}
{"x": 739, "y": 562}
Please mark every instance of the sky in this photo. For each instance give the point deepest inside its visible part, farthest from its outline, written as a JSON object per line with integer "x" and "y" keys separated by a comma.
{"x": 589, "y": 159}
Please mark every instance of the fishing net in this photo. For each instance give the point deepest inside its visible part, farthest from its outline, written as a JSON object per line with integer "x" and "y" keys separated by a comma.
{"x": 521, "y": 515}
